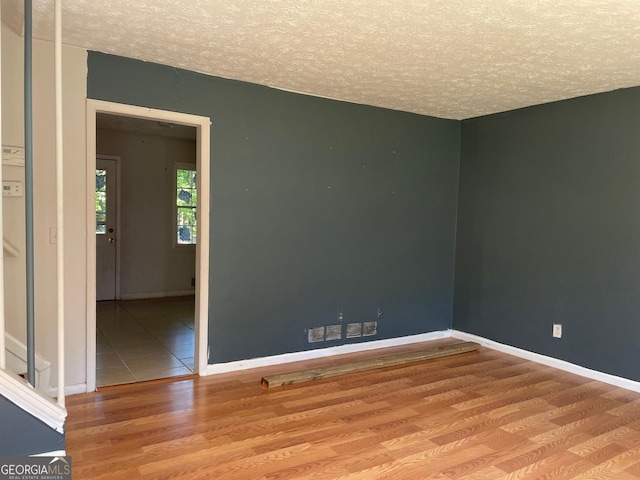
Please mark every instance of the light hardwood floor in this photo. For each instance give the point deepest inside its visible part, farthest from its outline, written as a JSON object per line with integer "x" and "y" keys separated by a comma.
{"x": 480, "y": 415}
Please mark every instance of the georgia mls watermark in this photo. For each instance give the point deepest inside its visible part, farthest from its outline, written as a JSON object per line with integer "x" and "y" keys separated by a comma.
{"x": 35, "y": 468}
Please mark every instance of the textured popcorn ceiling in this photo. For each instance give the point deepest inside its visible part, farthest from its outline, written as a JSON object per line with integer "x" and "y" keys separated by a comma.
{"x": 446, "y": 58}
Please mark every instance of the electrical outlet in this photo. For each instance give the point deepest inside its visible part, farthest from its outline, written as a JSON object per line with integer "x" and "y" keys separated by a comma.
{"x": 380, "y": 313}
{"x": 557, "y": 330}
{"x": 340, "y": 315}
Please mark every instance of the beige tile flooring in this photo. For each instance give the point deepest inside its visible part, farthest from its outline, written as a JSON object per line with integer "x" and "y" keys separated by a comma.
{"x": 138, "y": 340}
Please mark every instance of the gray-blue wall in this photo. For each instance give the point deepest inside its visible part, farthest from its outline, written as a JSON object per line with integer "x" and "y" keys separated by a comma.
{"x": 23, "y": 434}
{"x": 549, "y": 230}
{"x": 316, "y": 205}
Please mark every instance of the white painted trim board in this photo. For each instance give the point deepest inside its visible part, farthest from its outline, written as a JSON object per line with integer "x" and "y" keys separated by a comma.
{"x": 17, "y": 362}
{"x": 70, "y": 390}
{"x": 31, "y": 401}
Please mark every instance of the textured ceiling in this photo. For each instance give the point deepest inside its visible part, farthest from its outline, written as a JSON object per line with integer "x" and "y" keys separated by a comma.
{"x": 446, "y": 58}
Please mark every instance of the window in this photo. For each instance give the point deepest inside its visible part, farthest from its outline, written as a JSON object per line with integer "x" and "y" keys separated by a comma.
{"x": 186, "y": 201}
{"x": 101, "y": 201}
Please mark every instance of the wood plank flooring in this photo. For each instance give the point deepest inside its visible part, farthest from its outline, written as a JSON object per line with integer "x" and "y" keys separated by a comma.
{"x": 477, "y": 415}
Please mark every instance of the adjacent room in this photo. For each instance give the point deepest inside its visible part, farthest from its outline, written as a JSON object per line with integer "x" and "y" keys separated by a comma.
{"x": 146, "y": 233}
{"x": 300, "y": 185}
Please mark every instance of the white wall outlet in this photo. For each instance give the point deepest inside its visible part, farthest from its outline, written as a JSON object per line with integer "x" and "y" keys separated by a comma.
{"x": 557, "y": 330}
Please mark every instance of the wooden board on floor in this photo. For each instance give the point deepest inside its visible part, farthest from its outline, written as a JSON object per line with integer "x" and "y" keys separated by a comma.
{"x": 309, "y": 375}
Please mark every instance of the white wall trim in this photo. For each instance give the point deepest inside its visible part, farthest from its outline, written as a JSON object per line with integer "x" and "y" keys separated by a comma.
{"x": 550, "y": 361}
{"x": 203, "y": 161}
{"x": 323, "y": 352}
{"x": 16, "y": 361}
{"x": 91, "y": 247}
{"x": 14, "y": 389}
{"x": 143, "y": 295}
{"x": 69, "y": 390}
{"x": 75, "y": 389}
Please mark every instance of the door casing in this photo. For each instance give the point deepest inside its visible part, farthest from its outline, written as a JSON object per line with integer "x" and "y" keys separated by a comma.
{"x": 203, "y": 126}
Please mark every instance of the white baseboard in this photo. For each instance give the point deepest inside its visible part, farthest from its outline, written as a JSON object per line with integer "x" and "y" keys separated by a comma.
{"x": 75, "y": 389}
{"x": 143, "y": 295}
{"x": 216, "y": 368}
{"x": 16, "y": 361}
{"x": 69, "y": 389}
{"x": 550, "y": 361}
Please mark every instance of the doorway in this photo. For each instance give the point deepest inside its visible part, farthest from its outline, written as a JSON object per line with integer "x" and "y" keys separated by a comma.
{"x": 146, "y": 232}
{"x": 168, "y": 306}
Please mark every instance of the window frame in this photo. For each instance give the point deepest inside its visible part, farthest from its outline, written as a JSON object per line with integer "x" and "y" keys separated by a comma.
{"x": 174, "y": 200}
{"x": 96, "y": 191}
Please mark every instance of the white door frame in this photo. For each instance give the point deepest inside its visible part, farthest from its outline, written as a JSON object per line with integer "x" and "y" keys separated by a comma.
{"x": 202, "y": 125}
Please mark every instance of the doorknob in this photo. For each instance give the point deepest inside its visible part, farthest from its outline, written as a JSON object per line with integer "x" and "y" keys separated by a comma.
{"x": 111, "y": 239}
{"x": 111, "y": 230}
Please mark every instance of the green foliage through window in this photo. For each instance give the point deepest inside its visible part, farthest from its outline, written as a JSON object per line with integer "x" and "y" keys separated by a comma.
{"x": 101, "y": 201}
{"x": 186, "y": 202}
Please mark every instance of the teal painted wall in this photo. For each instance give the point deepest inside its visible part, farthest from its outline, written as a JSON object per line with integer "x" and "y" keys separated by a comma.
{"x": 549, "y": 230}
{"x": 316, "y": 205}
{"x": 23, "y": 434}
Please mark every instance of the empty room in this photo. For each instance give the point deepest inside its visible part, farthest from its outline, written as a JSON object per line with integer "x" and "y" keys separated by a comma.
{"x": 315, "y": 239}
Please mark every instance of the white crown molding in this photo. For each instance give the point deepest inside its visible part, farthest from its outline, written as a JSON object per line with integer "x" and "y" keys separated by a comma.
{"x": 550, "y": 361}
{"x": 239, "y": 365}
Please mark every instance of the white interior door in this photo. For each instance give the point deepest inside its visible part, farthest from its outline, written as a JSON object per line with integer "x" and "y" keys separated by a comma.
{"x": 106, "y": 223}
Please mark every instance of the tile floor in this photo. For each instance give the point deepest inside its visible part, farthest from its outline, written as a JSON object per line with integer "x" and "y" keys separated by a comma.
{"x": 138, "y": 340}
